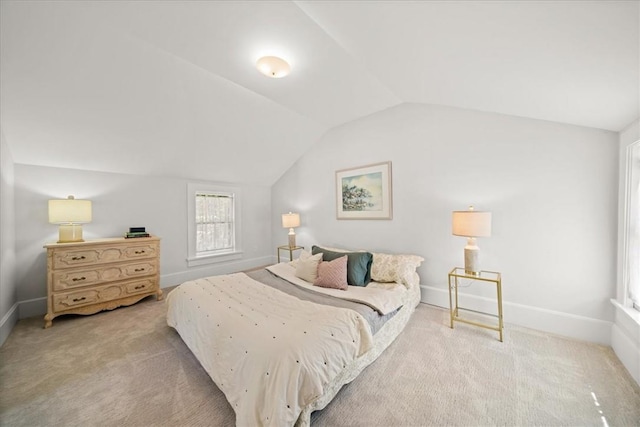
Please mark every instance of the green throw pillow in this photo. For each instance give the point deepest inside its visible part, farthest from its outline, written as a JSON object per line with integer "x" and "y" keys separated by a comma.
{"x": 358, "y": 264}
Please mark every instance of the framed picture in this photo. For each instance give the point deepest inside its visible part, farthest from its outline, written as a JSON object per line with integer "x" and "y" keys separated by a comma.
{"x": 364, "y": 192}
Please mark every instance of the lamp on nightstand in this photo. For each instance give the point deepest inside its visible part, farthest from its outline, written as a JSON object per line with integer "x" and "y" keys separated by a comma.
{"x": 70, "y": 213}
{"x": 291, "y": 221}
{"x": 471, "y": 224}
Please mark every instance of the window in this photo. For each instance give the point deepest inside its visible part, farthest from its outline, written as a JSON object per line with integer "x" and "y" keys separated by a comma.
{"x": 214, "y": 224}
{"x": 632, "y": 261}
{"x": 633, "y": 286}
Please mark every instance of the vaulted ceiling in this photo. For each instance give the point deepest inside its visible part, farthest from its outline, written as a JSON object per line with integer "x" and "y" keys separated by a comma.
{"x": 171, "y": 88}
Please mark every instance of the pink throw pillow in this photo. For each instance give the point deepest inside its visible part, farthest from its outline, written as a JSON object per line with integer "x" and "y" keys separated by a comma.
{"x": 333, "y": 274}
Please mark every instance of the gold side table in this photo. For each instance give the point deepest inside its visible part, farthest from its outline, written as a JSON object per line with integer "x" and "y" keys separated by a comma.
{"x": 291, "y": 250}
{"x": 455, "y": 277}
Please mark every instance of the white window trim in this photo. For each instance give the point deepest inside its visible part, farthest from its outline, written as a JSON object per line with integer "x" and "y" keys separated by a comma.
{"x": 624, "y": 300}
{"x": 194, "y": 260}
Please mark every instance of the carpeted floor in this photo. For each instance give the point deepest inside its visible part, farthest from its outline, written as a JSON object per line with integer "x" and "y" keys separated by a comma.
{"x": 127, "y": 368}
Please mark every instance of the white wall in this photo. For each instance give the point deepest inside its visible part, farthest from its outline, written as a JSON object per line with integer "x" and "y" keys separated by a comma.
{"x": 551, "y": 188}
{"x": 625, "y": 332}
{"x": 8, "y": 293}
{"x": 119, "y": 202}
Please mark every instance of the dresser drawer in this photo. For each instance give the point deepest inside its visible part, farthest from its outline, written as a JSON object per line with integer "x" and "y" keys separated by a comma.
{"x": 65, "y": 258}
{"x": 98, "y": 294}
{"x": 67, "y": 300}
{"x": 75, "y": 278}
{"x": 139, "y": 286}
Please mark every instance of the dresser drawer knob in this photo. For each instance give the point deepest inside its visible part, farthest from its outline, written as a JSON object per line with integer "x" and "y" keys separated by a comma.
{"x": 78, "y": 258}
{"x": 138, "y": 269}
{"x": 140, "y": 287}
{"x": 79, "y": 299}
{"x": 138, "y": 252}
{"x": 78, "y": 279}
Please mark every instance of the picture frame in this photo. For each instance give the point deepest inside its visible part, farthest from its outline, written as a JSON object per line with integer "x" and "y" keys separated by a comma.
{"x": 364, "y": 192}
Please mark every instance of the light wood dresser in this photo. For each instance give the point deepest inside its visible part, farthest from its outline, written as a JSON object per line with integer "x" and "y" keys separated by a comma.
{"x": 91, "y": 276}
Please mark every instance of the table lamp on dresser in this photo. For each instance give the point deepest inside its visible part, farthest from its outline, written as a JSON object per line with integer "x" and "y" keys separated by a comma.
{"x": 70, "y": 214}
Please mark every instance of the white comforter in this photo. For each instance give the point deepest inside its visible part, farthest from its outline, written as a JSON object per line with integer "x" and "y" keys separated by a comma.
{"x": 270, "y": 353}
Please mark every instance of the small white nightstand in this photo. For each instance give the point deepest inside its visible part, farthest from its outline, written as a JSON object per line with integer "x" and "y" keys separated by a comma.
{"x": 458, "y": 274}
{"x": 291, "y": 250}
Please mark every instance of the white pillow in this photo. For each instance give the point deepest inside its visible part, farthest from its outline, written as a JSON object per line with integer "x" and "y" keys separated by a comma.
{"x": 307, "y": 266}
{"x": 395, "y": 268}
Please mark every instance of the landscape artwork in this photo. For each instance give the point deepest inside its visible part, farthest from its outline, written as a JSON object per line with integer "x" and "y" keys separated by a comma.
{"x": 364, "y": 192}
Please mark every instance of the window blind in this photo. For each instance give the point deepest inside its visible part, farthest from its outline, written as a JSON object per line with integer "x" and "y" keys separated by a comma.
{"x": 214, "y": 222}
{"x": 633, "y": 255}
{"x": 633, "y": 287}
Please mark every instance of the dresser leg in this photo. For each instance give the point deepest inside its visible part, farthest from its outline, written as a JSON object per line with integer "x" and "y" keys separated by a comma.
{"x": 48, "y": 321}
{"x": 159, "y": 295}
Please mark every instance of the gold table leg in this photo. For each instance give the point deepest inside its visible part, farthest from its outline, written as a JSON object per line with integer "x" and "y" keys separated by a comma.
{"x": 450, "y": 306}
{"x": 500, "y": 324}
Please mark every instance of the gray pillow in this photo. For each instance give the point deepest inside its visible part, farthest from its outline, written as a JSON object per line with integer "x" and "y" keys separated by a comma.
{"x": 358, "y": 264}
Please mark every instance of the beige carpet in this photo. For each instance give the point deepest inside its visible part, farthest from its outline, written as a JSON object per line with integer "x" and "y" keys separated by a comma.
{"x": 126, "y": 367}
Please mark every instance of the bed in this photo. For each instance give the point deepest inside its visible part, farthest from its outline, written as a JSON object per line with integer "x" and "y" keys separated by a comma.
{"x": 280, "y": 347}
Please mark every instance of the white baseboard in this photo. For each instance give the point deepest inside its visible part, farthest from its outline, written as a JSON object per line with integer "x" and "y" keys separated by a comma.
{"x": 625, "y": 338}
{"x": 555, "y": 322}
{"x": 7, "y": 323}
{"x": 33, "y": 307}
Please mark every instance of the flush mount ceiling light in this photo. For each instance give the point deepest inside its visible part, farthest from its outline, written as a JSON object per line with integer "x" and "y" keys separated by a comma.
{"x": 272, "y": 66}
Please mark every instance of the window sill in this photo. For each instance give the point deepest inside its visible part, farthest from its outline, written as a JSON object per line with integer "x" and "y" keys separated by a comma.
{"x": 213, "y": 259}
{"x": 627, "y": 317}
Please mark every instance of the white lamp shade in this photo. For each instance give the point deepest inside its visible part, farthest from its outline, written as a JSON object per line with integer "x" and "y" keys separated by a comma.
{"x": 69, "y": 211}
{"x": 290, "y": 220}
{"x": 471, "y": 223}
{"x": 272, "y": 66}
